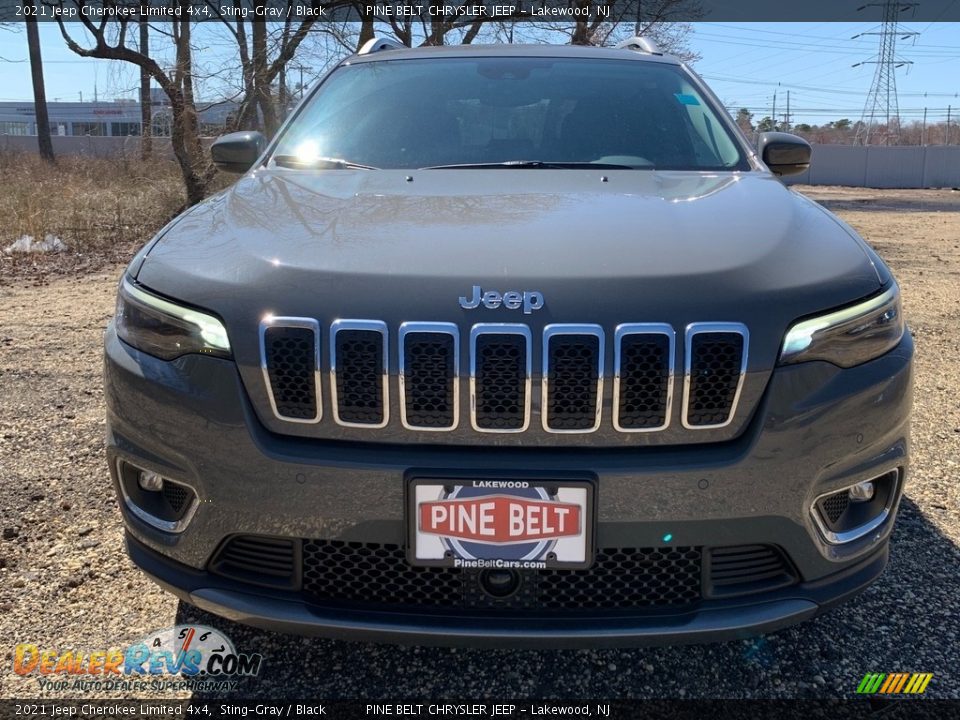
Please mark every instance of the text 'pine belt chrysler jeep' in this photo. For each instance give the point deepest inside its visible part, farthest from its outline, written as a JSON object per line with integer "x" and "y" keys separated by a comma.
{"x": 509, "y": 345}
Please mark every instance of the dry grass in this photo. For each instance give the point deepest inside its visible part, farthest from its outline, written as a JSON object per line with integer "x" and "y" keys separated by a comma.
{"x": 103, "y": 209}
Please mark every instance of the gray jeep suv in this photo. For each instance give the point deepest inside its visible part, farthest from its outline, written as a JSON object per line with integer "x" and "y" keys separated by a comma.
{"x": 509, "y": 345}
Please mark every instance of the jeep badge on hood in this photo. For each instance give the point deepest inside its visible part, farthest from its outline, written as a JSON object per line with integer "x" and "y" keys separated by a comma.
{"x": 529, "y": 300}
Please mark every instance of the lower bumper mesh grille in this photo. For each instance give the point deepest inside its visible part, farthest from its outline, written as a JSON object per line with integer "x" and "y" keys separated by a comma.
{"x": 621, "y": 578}
{"x": 377, "y": 576}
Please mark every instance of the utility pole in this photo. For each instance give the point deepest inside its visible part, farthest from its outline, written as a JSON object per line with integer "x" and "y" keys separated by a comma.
{"x": 773, "y": 114}
{"x": 882, "y": 99}
{"x": 44, "y": 142}
{"x": 786, "y": 119}
{"x": 923, "y": 129}
{"x": 949, "y": 108}
{"x": 146, "y": 114}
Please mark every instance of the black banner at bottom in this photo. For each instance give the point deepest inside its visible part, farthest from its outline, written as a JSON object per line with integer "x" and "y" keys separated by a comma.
{"x": 482, "y": 710}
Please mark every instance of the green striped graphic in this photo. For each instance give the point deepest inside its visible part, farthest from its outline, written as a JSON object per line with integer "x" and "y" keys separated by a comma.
{"x": 871, "y": 682}
{"x": 894, "y": 683}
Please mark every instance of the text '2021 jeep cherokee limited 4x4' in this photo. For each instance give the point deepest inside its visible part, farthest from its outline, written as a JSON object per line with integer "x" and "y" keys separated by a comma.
{"x": 509, "y": 345}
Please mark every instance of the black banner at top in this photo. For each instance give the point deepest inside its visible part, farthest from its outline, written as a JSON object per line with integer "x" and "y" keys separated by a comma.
{"x": 553, "y": 11}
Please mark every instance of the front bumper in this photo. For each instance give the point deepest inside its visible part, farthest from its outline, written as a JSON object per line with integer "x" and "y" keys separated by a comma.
{"x": 817, "y": 429}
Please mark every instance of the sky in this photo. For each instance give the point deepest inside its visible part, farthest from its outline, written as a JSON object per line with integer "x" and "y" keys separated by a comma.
{"x": 744, "y": 63}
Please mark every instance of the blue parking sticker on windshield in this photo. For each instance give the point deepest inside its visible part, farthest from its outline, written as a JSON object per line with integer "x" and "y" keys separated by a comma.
{"x": 687, "y": 99}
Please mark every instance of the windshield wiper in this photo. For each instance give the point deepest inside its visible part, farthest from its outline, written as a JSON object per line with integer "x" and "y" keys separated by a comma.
{"x": 539, "y": 164}
{"x": 295, "y": 161}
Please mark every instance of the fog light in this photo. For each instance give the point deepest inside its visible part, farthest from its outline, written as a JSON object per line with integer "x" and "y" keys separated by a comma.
{"x": 862, "y": 492}
{"x": 150, "y": 481}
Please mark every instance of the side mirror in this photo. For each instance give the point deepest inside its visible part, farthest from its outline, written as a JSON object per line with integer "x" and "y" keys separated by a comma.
{"x": 237, "y": 152}
{"x": 783, "y": 153}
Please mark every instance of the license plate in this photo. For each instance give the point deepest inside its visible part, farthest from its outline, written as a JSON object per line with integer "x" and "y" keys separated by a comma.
{"x": 500, "y": 523}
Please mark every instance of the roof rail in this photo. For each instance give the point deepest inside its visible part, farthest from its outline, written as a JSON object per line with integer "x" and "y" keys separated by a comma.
{"x": 377, "y": 44}
{"x": 640, "y": 44}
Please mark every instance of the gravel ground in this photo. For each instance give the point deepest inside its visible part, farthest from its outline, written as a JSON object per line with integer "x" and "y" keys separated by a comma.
{"x": 66, "y": 583}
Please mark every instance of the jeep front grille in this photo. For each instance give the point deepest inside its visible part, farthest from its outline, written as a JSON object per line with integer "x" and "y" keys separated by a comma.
{"x": 572, "y": 378}
{"x": 500, "y": 377}
{"x": 716, "y": 361}
{"x": 572, "y": 359}
{"x": 643, "y": 377}
{"x": 290, "y": 357}
{"x": 358, "y": 371}
{"x": 429, "y": 376}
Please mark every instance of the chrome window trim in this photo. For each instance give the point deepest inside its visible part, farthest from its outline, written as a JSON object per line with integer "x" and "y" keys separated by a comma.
{"x": 370, "y": 326}
{"x": 561, "y": 329}
{"x": 436, "y": 328}
{"x": 175, "y": 527}
{"x": 500, "y": 329}
{"x": 271, "y": 321}
{"x": 860, "y": 531}
{"x": 704, "y": 328}
{"x": 623, "y": 331}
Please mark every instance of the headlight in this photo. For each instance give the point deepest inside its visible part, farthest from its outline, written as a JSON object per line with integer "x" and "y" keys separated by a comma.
{"x": 850, "y": 336}
{"x": 164, "y": 329}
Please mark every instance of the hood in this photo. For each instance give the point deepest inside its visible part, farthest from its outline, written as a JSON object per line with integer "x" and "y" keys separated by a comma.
{"x": 643, "y": 244}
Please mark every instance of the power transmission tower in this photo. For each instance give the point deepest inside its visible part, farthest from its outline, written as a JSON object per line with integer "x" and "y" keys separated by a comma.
{"x": 882, "y": 102}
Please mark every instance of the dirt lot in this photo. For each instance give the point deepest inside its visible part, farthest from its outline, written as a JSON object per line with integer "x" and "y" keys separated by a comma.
{"x": 65, "y": 582}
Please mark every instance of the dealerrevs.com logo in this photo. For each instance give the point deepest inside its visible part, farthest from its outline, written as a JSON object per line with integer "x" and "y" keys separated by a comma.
{"x": 183, "y": 657}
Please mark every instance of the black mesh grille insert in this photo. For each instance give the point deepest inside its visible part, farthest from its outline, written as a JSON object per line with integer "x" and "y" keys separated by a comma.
{"x": 428, "y": 359}
{"x": 374, "y": 573}
{"x": 291, "y": 364}
{"x": 573, "y": 374}
{"x": 625, "y": 578}
{"x": 378, "y": 575}
{"x": 744, "y": 569}
{"x": 644, "y": 381}
{"x": 714, "y": 376}
{"x": 360, "y": 376}
{"x": 501, "y": 375}
{"x": 832, "y": 507}
{"x": 176, "y": 496}
{"x": 259, "y": 560}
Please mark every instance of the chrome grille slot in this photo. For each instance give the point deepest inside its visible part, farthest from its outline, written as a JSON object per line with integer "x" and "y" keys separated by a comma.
{"x": 500, "y": 377}
{"x": 643, "y": 377}
{"x": 429, "y": 376}
{"x": 358, "y": 373}
{"x": 716, "y": 362}
{"x": 290, "y": 360}
{"x": 572, "y": 380}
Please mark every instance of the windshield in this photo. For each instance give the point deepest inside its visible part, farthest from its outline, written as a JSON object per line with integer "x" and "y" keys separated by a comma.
{"x": 532, "y": 112}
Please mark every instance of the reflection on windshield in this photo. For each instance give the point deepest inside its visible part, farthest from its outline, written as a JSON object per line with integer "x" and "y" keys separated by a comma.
{"x": 530, "y": 112}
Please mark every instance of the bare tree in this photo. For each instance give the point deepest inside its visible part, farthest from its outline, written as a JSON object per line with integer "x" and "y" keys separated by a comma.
{"x": 177, "y": 83}
{"x": 146, "y": 102}
{"x": 39, "y": 90}
{"x": 264, "y": 54}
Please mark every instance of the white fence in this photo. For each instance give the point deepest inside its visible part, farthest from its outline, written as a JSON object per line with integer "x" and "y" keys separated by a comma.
{"x": 933, "y": 166}
{"x": 93, "y": 146}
